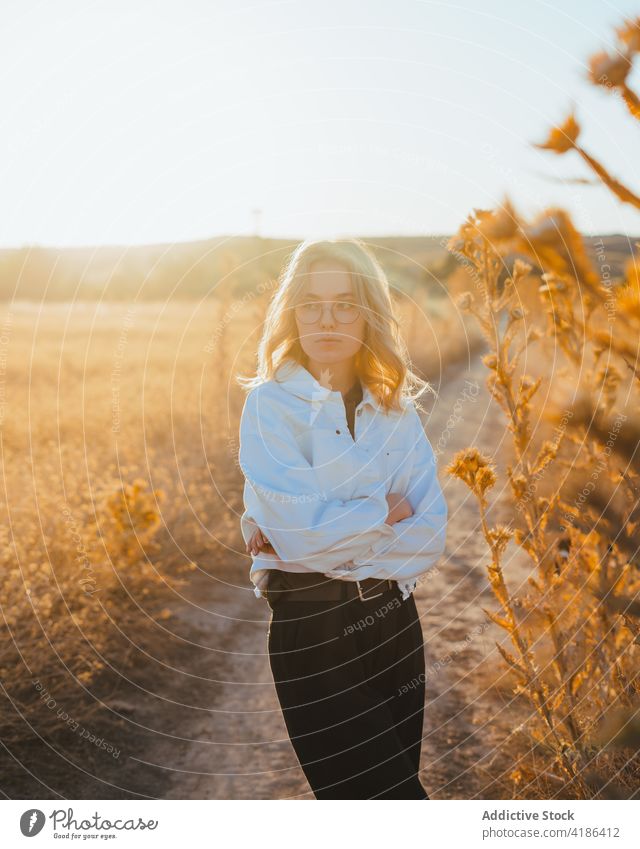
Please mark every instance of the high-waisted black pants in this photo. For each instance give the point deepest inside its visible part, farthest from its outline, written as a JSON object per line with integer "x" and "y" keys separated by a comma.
{"x": 350, "y": 680}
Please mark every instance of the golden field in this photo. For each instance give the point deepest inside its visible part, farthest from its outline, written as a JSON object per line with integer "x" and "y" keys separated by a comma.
{"x": 119, "y": 454}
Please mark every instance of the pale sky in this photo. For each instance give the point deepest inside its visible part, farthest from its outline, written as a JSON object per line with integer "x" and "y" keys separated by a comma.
{"x": 128, "y": 122}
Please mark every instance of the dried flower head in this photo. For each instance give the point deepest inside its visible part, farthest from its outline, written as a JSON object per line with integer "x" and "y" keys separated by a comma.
{"x": 474, "y": 469}
{"x": 520, "y": 269}
{"x": 608, "y": 70}
{"x": 498, "y": 224}
{"x": 555, "y": 244}
{"x": 563, "y": 137}
{"x": 500, "y": 537}
{"x": 629, "y": 34}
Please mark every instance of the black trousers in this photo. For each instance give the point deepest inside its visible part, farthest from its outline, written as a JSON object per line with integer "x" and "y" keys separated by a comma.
{"x": 350, "y": 680}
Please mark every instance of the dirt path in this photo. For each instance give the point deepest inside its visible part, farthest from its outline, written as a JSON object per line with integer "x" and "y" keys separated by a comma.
{"x": 233, "y": 743}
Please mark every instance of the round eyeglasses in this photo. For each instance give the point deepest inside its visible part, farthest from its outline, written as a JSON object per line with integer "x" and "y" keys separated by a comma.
{"x": 343, "y": 312}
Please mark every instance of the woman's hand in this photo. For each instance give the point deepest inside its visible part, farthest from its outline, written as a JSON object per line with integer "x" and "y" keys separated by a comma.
{"x": 259, "y": 542}
{"x": 399, "y": 508}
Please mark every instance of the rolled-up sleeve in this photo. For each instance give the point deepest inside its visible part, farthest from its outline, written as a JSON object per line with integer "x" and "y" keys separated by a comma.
{"x": 419, "y": 541}
{"x": 282, "y": 495}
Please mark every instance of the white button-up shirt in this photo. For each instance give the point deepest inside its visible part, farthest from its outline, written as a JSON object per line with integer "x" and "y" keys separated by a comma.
{"x": 318, "y": 494}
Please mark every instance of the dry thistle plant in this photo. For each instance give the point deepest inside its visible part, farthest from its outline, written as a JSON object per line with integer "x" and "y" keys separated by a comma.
{"x": 574, "y": 655}
{"x": 501, "y": 317}
{"x": 575, "y": 632}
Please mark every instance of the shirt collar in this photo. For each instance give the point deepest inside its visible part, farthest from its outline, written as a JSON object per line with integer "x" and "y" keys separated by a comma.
{"x": 294, "y": 378}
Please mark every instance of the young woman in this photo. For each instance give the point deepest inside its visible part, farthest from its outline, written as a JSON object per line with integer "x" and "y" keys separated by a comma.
{"x": 343, "y": 514}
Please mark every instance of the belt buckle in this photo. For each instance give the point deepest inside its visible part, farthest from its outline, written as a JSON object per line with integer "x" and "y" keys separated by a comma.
{"x": 367, "y": 597}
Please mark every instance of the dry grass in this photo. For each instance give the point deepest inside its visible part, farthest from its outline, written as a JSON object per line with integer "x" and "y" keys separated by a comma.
{"x": 113, "y": 431}
{"x": 119, "y": 431}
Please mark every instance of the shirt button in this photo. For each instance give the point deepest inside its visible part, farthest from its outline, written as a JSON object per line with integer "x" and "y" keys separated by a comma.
{"x": 337, "y": 431}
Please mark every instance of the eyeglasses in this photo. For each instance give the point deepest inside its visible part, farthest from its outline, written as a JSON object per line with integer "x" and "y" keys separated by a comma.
{"x": 344, "y": 312}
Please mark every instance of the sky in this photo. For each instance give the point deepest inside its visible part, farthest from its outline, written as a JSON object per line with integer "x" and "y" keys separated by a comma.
{"x": 144, "y": 122}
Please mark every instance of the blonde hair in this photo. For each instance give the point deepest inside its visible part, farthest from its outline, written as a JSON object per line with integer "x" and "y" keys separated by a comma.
{"x": 382, "y": 363}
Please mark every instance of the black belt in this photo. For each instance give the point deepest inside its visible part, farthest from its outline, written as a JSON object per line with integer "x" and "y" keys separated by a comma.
{"x": 309, "y": 586}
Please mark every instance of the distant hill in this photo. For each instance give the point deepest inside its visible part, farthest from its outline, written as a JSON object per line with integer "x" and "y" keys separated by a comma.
{"x": 198, "y": 269}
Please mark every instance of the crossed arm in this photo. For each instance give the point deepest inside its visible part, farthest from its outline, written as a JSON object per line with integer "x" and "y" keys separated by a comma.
{"x": 399, "y": 509}
{"x": 397, "y": 535}
{"x": 285, "y": 501}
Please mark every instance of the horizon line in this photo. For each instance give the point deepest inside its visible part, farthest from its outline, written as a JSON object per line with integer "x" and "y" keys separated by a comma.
{"x": 229, "y": 237}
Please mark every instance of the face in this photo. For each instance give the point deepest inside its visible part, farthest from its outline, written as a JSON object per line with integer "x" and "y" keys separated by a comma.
{"x": 326, "y": 339}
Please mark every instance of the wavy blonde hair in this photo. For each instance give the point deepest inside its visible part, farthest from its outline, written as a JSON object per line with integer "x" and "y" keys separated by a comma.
{"x": 382, "y": 363}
